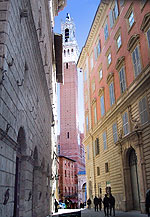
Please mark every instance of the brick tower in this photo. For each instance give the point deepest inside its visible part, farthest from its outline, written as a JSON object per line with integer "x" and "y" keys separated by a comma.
{"x": 69, "y": 132}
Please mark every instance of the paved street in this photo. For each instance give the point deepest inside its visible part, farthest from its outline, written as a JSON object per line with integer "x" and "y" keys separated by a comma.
{"x": 92, "y": 213}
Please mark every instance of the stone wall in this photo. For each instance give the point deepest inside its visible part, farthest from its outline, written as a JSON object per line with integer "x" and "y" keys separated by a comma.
{"x": 25, "y": 108}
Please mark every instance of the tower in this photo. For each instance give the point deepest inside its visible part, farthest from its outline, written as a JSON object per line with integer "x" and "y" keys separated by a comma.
{"x": 69, "y": 132}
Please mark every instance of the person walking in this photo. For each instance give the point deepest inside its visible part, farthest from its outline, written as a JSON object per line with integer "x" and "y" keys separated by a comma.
{"x": 112, "y": 204}
{"x": 100, "y": 203}
{"x": 56, "y": 205}
{"x": 96, "y": 202}
{"x": 89, "y": 203}
{"x": 106, "y": 205}
{"x": 147, "y": 203}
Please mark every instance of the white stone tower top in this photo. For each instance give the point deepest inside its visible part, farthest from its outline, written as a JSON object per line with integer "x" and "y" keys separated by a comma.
{"x": 70, "y": 46}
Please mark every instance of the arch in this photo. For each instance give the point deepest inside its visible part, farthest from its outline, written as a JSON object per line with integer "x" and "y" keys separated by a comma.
{"x": 66, "y": 34}
{"x": 131, "y": 179}
{"x": 21, "y": 140}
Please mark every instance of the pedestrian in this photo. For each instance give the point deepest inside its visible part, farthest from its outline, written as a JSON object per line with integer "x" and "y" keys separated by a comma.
{"x": 147, "y": 203}
{"x": 112, "y": 204}
{"x": 106, "y": 205}
{"x": 56, "y": 205}
{"x": 100, "y": 203}
{"x": 89, "y": 203}
{"x": 96, "y": 202}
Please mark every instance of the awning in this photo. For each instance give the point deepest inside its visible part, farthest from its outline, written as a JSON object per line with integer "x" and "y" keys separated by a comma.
{"x": 58, "y": 57}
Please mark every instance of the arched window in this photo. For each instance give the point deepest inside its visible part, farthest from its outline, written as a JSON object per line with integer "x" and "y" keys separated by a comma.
{"x": 66, "y": 34}
{"x": 64, "y": 52}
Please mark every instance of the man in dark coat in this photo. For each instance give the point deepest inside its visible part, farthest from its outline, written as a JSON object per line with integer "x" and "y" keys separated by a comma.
{"x": 96, "y": 202}
{"x": 112, "y": 204}
{"x": 89, "y": 203}
{"x": 100, "y": 203}
{"x": 106, "y": 205}
{"x": 147, "y": 202}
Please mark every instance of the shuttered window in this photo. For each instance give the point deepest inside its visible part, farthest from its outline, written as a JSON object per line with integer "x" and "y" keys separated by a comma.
{"x": 115, "y": 135}
{"x": 111, "y": 93}
{"x": 143, "y": 110}
{"x": 122, "y": 80}
{"x": 125, "y": 123}
{"x": 102, "y": 105}
{"x": 104, "y": 141}
{"x": 136, "y": 61}
{"x": 113, "y": 14}
{"x": 106, "y": 31}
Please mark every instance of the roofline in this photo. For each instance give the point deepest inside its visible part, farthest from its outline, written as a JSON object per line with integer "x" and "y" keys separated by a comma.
{"x": 62, "y": 156}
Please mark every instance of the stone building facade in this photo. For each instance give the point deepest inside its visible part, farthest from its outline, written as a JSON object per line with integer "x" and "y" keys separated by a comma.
{"x": 27, "y": 70}
{"x": 116, "y": 67}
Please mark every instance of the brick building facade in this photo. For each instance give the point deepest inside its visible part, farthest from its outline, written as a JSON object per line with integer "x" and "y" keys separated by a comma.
{"x": 27, "y": 67}
{"x": 70, "y": 138}
{"x": 116, "y": 68}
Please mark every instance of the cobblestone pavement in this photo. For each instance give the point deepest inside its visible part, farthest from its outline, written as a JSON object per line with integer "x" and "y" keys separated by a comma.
{"x": 92, "y": 213}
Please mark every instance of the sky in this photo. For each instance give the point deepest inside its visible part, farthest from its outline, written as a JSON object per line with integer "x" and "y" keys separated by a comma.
{"x": 82, "y": 12}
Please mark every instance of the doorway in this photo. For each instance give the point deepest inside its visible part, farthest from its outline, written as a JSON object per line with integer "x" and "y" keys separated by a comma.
{"x": 134, "y": 180}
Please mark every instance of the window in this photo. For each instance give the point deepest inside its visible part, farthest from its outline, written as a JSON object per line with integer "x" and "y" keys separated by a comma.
{"x": 58, "y": 149}
{"x": 100, "y": 74}
{"x": 88, "y": 152}
{"x": 106, "y": 31}
{"x": 122, "y": 2}
{"x": 98, "y": 171}
{"x": 109, "y": 59}
{"x": 115, "y": 135}
{"x": 122, "y": 80}
{"x": 72, "y": 190}
{"x": 66, "y": 65}
{"x": 125, "y": 123}
{"x": 65, "y": 173}
{"x": 67, "y": 135}
{"x": 95, "y": 115}
{"x": 64, "y": 53}
{"x": 119, "y": 41}
{"x": 113, "y": 14}
{"x": 104, "y": 141}
{"x": 87, "y": 123}
{"x": 106, "y": 168}
{"x": 102, "y": 105}
{"x": 131, "y": 19}
{"x": 148, "y": 37}
{"x": 111, "y": 93}
{"x": 136, "y": 61}
{"x": 143, "y": 110}
{"x": 97, "y": 50}
{"x": 66, "y": 34}
{"x": 97, "y": 146}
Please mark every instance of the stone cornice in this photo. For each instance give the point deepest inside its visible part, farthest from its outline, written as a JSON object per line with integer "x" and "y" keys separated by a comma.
{"x": 100, "y": 14}
{"x": 133, "y": 41}
{"x": 110, "y": 76}
{"x": 119, "y": 62}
